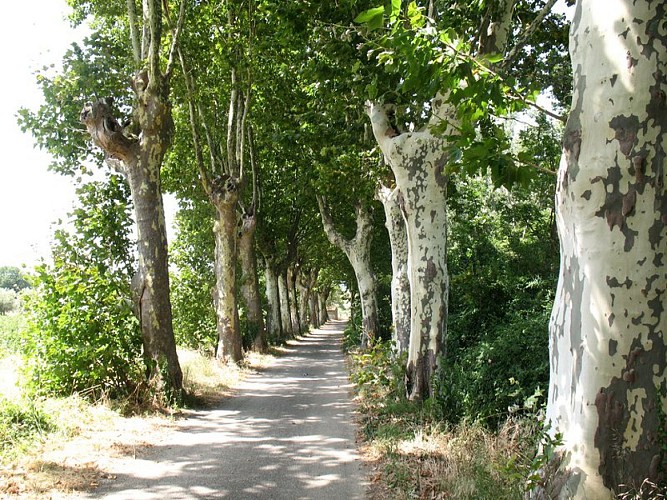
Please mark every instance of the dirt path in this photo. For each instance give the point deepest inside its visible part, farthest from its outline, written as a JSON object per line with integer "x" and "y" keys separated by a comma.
{"x": 288, "y": 434}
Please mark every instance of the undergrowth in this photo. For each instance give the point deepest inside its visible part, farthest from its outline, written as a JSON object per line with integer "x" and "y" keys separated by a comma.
{"x": 417, "y": 454}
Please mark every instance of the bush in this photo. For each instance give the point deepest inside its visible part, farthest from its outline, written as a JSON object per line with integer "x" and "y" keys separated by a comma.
{"x": 20, "y": 422}
{"x": 11, "y": 331}
{"x": 8, "y": 301}
{"x": 83, "y": 335}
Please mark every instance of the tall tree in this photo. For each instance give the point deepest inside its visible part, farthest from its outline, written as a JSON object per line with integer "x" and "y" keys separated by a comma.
{"x": 457, "y": 64}
{"x": 137, "y": 151}
{"x": 608, "y": 389}
{"x": 358, "y": 252}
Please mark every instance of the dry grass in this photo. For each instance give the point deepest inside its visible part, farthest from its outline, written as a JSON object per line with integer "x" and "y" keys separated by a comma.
{"x": 90, "y": 438}
{"x": 413, "y": 454}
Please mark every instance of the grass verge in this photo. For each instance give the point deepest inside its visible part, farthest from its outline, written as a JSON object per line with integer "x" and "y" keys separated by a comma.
{"x": 413, "y": 454}
{"x": 52, "y": 447}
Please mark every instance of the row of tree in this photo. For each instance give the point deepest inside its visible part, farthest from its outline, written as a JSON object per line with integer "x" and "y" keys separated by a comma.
{"x": 253, "y": 114}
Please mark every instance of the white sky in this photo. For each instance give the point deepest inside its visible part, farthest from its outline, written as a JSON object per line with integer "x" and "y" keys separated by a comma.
{"x": 34, "y": 33}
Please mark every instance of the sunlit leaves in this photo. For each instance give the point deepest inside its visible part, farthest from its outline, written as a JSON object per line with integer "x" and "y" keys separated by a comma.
{"x": 83, "y": 331}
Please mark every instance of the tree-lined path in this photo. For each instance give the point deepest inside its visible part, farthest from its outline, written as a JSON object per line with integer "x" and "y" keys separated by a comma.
{"x": 288, "y": 434}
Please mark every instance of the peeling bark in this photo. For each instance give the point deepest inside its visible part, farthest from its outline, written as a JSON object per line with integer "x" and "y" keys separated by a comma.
{"x": 249, "y": 280}
{"x": 224, "y": 196}
{"x": 417, "y": 160}
{"x": 608, "y": 353}
{"x": 273, "y": 324}
{"x": 358, "y": 252}
{"x": 140, "y": 161}
{"x": 400, "y": 283}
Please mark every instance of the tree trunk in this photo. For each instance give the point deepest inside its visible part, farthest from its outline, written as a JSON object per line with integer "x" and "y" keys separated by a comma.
{"x": 285, "y": 319}
{"x": 314, "y": 310}
{"x": 140, "y": 161}
{"x": 358, "y": 252}
{"x": 400, "y": 284}
{"x": 608, "y": 355}
{"x": 294, "y": 302}
{"x": 250, "y": 281}
{"x": 417, "y": 160}
{"x": 224, "y": 195}
{"x": 303, "y": 285}
{"x": 274, "y": 326}
{"x": 322, "y": 298}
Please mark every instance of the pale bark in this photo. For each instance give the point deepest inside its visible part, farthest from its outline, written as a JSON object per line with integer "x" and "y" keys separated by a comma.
{"x": 358, "y": 252}
{"x": 400, "y": 284}
{"x": 294, "y": 300}
{"x": 249, "y": 280}
{"x": 417, "y": 160}
{"x": 608, "y": 353}
{"x": 140, "y": 159}
{"x": 224, "y": 196}
{"x": 314, "y": 310}
{"x": 273, "y": 324}
{"x": 285, "y": 318}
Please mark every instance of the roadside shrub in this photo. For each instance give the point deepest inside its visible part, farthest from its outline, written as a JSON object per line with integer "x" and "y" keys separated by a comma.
{"x": 20, "y": 421}
{"x": 83, "y": 335}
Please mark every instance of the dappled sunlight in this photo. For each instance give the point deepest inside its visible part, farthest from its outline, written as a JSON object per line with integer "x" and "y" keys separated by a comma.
{"x": 287, "y": 434}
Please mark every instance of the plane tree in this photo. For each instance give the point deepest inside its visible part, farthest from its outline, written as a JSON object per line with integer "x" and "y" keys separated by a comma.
{"x": 117, "y": 85}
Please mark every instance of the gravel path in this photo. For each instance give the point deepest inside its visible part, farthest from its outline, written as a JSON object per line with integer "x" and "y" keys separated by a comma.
{"x": 288, "y": 434}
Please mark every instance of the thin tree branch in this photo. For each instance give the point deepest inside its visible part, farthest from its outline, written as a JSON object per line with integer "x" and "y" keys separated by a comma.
{"x": 154, "y": 23}
{"x": 527, "y": 33}
{"x": 189, "y": 87}
{"x": 175, "y": 39}
{"x": 134, "y": 31}
{"x": 253, "y": 166}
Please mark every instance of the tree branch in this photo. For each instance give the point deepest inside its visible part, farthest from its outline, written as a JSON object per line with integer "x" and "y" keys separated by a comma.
{"x": 334, "y": 236}
{"x": 175, "y": 39}
{"x": 527, "y": 33}
{"x": 134, "y": 31}
{"x": 189, "y": 87}
{"x": 154, "y": 23}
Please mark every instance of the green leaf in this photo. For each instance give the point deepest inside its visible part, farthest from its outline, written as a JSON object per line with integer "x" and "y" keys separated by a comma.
{"x": 494, "y": 58}
{"x": 395, "y": 9}
{"x": 369, "y": 16}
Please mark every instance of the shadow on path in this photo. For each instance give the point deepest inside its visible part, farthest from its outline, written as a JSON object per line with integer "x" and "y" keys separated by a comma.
{"x": 288, "y": 434}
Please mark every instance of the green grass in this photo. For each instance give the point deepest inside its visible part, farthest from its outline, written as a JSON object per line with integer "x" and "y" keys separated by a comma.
{"x": 11, "y": 326}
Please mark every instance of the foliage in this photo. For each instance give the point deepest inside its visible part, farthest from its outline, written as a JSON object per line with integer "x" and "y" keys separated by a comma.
{"x": 13, "y": 278}
{"x": 8, "y": 301}
{"x": 503, "y": 261}
{"x": 11, "y": 331}
{"x": 83, "y": 335}
{"x": 193, "y": 278}
{"x": 20, "y": 423}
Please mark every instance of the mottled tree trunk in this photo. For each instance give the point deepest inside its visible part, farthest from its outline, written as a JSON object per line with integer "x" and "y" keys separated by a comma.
{"x": 285, "y": 318}
{"x": 303, "y": 285}
{"x": 140, "y": 161}
{"x": 358, "y": 252}
{"x": 314, "y": 310}
{"x": 224, "y": 195}
{"x": 400, "y": 284}
{"x": 322, "y": 299}
{"x": 294, "y": 300}
{"x": 274, "y": 326}
{"x": 250, "y": 282}
{"x": 417, "y": 160}
{"x": 608, "y": 356}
